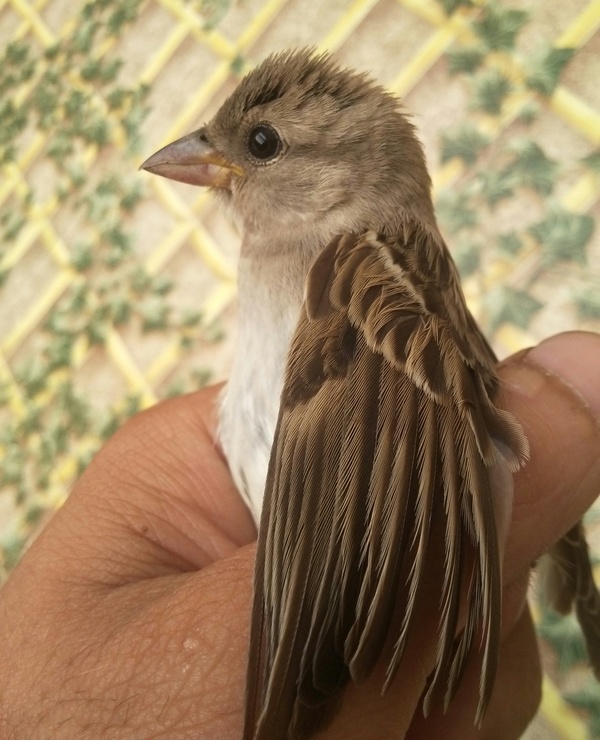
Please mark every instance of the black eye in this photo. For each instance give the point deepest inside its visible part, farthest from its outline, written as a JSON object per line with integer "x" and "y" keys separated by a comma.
{"x": 264, "y": 142}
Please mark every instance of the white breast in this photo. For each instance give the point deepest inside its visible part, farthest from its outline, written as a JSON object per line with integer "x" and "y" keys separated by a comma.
{"x": 269, "y": 303}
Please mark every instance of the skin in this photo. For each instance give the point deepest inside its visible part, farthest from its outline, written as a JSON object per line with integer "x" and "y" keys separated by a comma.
{"x": 128, "y": 617}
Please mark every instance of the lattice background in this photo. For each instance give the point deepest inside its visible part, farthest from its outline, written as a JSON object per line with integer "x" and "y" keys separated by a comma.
{"x": 118, "y": 289}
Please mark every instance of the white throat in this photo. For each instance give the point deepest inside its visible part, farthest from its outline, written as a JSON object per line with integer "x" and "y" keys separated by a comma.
{"x": 271, "y": 291}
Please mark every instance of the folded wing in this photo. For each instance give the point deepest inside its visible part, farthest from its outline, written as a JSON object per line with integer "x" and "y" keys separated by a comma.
{"x": 387, "y": 425}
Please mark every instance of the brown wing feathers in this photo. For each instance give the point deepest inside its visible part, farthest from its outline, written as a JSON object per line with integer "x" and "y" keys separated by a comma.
{"x": 384, "y": 424}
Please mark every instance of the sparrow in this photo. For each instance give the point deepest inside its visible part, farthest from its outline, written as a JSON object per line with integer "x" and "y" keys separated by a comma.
{"x": 360, "y": 420}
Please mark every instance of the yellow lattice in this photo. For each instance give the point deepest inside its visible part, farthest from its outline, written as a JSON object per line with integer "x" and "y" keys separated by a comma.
{"x": 187, "y": 218}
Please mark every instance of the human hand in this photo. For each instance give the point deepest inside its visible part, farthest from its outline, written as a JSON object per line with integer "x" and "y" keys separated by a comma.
{"x": 128, "y": 617}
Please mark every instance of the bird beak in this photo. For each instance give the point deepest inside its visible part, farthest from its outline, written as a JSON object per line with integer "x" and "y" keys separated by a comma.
{"x": 193, "y": 160}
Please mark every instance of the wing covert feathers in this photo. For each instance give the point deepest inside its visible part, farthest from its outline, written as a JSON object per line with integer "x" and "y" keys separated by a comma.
{"x": 387, "y": 424}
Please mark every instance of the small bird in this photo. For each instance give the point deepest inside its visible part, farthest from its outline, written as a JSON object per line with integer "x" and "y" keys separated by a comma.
{"x": 361, "y": 401}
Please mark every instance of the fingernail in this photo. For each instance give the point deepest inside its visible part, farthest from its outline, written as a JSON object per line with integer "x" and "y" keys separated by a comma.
{"x": 573, "y": 357}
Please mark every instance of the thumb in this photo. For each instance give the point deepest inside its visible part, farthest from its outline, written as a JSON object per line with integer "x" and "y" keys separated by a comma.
{"x": 554, "y": 391}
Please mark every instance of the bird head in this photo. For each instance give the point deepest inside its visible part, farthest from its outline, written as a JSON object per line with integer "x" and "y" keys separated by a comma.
{"x": 303, "y": 144}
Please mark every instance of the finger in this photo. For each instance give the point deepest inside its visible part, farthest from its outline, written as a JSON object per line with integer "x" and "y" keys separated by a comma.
{"x": 157, "y": 499}
{"x": 554, "y": 391}
{"x": 101, "y": 641}
{"x": 163, "y": 657}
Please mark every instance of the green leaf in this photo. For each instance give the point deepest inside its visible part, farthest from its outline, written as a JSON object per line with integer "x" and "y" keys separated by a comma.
{"x": 564, "y": 636}
{"x": 118, "y": 238}
{"x": 529, "y": 112}
{"x": 133, "y": 403}
{"x": 33, "y": 375}
{"x": 467, "y": 256}
{"x": 16, "y": 53}
{"x": 60, "y": 146}
{"x": 499, "y": 26}
{"x": 591, "y": 516}
{"x": 97, "y": 131}
{"x": 116, "y": 98}
{"x": 507, "y": 305}
{"x": 496, "y": 186}
{"x": 91, "y": 69}
{"x": 592, "y": 161}
{"x": 131, "y": 198}
{"x": 57, "y": 321}
{"x": 95, "y": 331}
{"x": 12, "y": 465}
{"x": 78, "y": 299}
{"x": 125, "y": 12}
{"x": 52, "y": 52}
{"x": 34, "y": 514}
{"x": 545, "y": 68}
{"x": 13, "y": 120}
{"x": 155, "y": 314}
{"x": 202, "y": 376}
{"x": 456, "y": 211}
{"x": 563, "y": 235}
{"x": 588, "y": 698}
{"x": 84, "y": 458}
{"x": 175, "y": 388}
{"x": 587, "y": 302}
{"x": 162, "y": 285}
{"x": 465, "y": 60}
{"x": 109, "y": 425}
{"x": 120, "y": 310}
{"x": 75, "y": 104}
{"x": 140, "y": 280}
{"x": 83, "y": 38}
{"x": 59, "y": 351}
{"x": 237, "y": 65}
{"x": 32, "y": 421}
{"x": 186, "y": 342}
{"x": 464, "y": 142}
{"x": 82, "y": 257}
{"x": 213, "y": 12}
{"x": 77, "y": 409}
{"x": 132, "y": 122}
{"x": 77, "y": 175}
{"x": 509, "y": 243}
{"x": 12, "y": 549}
{"x": 110, "y": 70}
{"x": 450, "y": 6}
{"x": 532, "y": 168}
{"x": 45, "y": 98}
{"x": 214, "y": 332}
{"x": 12, "y": 223}
{"x": 491, "y": 88}
{"x": 191, "y": 319}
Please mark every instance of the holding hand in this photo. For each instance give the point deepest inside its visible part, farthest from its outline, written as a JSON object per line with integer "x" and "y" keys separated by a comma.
{"x": 128, "y": 617}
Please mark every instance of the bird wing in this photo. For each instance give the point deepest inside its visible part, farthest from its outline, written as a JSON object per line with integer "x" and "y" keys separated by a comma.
{"x": 386, "y": 425}
{"x": 568, "y": 580}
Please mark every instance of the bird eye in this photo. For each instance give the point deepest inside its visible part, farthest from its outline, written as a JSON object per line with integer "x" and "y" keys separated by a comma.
{"x": 264, "y": 142}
